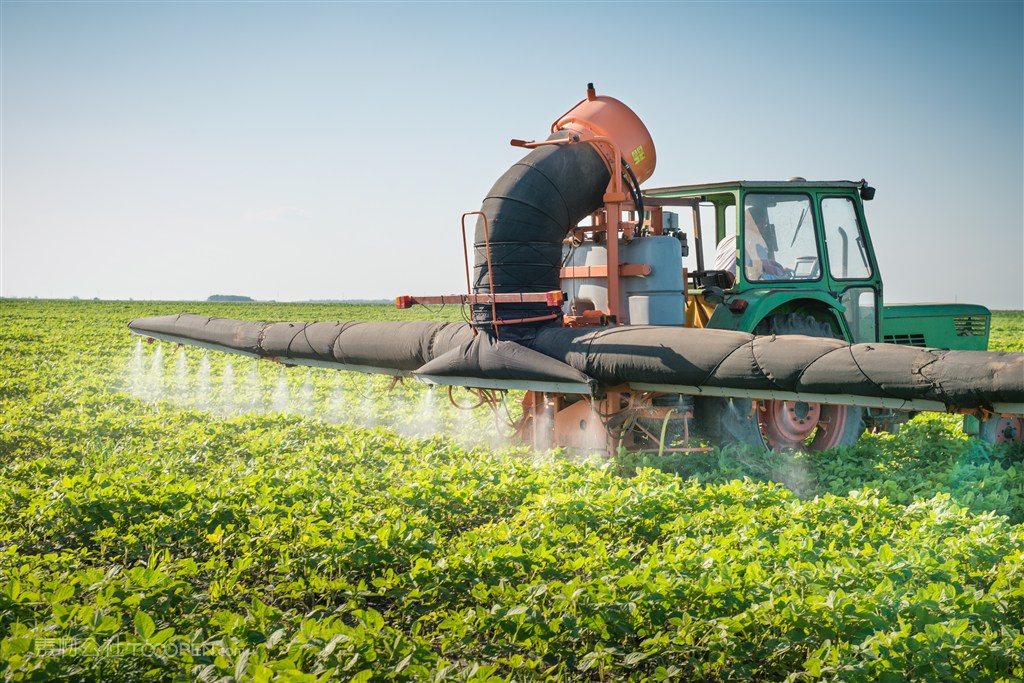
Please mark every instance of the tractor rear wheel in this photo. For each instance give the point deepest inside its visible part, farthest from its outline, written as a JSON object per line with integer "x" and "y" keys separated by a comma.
{"x": 778, "y": 425}
{"x": 801, "y": 425}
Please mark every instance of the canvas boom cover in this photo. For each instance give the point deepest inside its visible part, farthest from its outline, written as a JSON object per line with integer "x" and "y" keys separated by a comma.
{"x": 608, "y": 357}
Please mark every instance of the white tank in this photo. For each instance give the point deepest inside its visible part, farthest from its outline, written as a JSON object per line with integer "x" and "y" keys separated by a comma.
{"x": 656, "y": 299}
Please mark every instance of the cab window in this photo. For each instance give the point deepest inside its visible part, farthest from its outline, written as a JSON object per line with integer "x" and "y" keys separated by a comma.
{"x": 861, "y": 313}
{"x": 779, "y": 238}
{"x": 847, "y": 253}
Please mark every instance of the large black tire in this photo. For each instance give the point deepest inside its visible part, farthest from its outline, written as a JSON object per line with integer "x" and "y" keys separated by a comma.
{"x": 727, "y": 421}
{"x": 731, "y": 420}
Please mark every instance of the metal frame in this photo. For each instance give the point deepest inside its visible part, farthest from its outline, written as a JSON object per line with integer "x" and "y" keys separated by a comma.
{"x": 505, "y": 385}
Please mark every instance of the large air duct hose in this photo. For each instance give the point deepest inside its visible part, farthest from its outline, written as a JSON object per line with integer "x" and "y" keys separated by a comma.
{"x": 529, "y": 211}
{"x": 532, "y": 206}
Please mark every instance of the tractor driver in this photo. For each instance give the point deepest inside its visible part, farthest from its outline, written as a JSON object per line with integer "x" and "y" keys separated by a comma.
{"x": 758, "y": 263}
{"x": 759, "y": 242}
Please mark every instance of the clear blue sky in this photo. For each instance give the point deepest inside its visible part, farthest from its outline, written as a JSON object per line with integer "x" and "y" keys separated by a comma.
{"x": 174, "y": 150}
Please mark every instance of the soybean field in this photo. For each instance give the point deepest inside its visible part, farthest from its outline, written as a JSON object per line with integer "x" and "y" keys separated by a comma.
{"x": 172, "y": 515}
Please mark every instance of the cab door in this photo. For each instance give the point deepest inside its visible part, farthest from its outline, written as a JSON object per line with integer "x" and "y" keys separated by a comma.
{"x": 851, "y": 268}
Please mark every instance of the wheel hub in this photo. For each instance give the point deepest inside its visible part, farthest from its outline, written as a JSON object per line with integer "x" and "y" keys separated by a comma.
{"x": 787, "y": 424}
{"x": 1009, "y": 429}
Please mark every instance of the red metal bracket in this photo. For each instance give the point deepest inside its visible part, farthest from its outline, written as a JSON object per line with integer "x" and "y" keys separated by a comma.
{"x": 550, "y": 298}
{"x": 625, "y": 270}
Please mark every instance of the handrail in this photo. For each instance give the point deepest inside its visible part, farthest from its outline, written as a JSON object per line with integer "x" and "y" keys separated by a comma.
{"x": 490, "y": 270}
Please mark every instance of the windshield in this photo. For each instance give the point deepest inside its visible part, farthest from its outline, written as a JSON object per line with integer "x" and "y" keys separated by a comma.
{"x": 779, "y": 238}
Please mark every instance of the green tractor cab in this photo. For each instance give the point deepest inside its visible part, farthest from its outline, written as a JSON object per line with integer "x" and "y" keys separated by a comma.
{"x": 795, "y": 257}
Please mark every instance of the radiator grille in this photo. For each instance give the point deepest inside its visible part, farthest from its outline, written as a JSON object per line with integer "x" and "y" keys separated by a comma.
{"x": 970, "y": 325}
{"x": 905, "y": 339}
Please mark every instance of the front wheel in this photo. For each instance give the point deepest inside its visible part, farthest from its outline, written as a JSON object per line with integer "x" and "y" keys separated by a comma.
{"x": 999, "y": 429}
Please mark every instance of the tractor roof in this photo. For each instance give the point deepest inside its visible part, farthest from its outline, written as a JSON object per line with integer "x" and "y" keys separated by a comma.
{"x": 760, "y": 184}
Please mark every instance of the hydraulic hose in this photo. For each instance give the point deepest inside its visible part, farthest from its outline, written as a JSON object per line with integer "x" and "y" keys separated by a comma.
{"x": 634, "y": 189}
